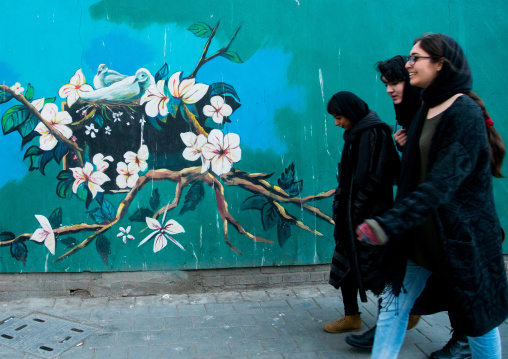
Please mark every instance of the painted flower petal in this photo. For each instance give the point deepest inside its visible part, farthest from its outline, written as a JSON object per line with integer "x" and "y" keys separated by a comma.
{"x": 188, "y": 138}
{"x": 220, "y": 165}
{"x": 153, "y": 223}
{"x": 175, "y": 242}
{"x": 78, "y": 78}
{"x": 50, "y": 242}
{"x": 39, "y": 235}
{"x": 196, "y": 93}
{"x": 205, "y": 165}
{"x": 148, "y": 237}
{"x": 99, "y": 178}
{"x": 131, "y": 181}
{"x": 47, "y": 142}
{"x": 209, "y": 151}
{"x": 217, "y": 102}
{"x": 216, "y": 138}
{"x": 173, "y": 227}
{"x": 174, "y": 83}
{"x": 143, "y": 153}
{"x": 209, "y": 111}
{"x": 159, "y": 243}
{"x": 44, "y": 222}
{"x": 49, "y": 112}
{"x": 121, "y": 181}
{"x": 38, "y": 104}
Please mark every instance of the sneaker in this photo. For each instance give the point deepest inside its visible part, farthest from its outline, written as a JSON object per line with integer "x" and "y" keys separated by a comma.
{"x": 348, "y": 323}
{"x": 363, "y": 341}
{"x": 456, "y": 348}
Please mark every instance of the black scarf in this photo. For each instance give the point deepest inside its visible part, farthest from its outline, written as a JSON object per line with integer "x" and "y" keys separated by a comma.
{"x": 454, "y": 78}
{"x": 411, "y": 103}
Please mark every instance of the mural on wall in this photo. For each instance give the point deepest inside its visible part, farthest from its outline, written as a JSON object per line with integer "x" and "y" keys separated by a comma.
{"x": 117, "y": 134}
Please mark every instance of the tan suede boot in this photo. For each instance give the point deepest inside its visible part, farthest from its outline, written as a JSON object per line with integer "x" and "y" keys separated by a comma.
{"x": 413, "y": 320}
{"x": 348, "y": 323}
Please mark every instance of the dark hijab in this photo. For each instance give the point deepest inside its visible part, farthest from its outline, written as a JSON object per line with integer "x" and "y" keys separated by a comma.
{"x": 347, "y": 104}
{"x": 411, "y": 103}
{"x": 455, "y": 76}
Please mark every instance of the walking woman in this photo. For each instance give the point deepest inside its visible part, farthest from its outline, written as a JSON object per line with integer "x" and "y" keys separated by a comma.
{"x": 369, "y": 164}
{"x": 444, "y": 220}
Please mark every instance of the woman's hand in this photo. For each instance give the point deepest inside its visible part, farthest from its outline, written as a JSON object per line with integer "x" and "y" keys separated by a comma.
{"x": 366, "y": 234}
{"x": 401, "y": 137}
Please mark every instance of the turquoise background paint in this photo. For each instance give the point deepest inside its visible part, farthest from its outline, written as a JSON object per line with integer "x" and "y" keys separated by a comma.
{"x": 296, "y": 55}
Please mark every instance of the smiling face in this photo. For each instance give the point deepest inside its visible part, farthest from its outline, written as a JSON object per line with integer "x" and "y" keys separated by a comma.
{"x": 343, "y": 122}
{"x": 424, "y": 71}
{"x": 395, "y": 89}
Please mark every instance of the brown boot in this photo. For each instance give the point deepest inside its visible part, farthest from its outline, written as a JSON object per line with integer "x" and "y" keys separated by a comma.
{"x": 348, "y": 323}
{"x": 413, "y": 320}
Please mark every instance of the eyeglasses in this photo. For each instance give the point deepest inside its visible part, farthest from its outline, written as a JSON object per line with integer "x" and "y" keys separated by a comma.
{"x": 411, "y": 59}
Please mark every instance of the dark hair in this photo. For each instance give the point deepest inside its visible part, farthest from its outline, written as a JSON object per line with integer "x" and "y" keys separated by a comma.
{"x": 333, "y": 107}
{"x": 436, "y": 46}
{"x": 347, "y": 104}
{"x": 393, "y": 69}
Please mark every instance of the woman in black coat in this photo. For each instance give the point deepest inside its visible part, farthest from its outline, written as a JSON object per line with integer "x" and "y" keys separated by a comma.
{"x": 444, "y": 220}
{"x": 368, "y": 167}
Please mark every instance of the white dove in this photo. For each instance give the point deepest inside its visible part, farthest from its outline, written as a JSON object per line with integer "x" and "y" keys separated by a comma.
{"x": 126, "y": 90}
{"x": 106, "y": 77}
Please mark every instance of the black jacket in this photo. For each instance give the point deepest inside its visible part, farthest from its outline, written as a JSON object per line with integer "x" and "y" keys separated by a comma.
{"x": 458, "y": 193}
{"x": 369, "y": 165}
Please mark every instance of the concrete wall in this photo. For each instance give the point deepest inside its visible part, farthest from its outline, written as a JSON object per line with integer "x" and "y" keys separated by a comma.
{"x": 121, "y": 147}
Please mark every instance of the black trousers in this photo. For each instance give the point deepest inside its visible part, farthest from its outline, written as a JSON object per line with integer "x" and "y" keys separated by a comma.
{"x": 349, "y": 289}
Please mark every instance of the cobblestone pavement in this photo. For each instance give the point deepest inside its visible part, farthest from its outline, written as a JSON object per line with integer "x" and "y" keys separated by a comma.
{"x": 263, "y": 324}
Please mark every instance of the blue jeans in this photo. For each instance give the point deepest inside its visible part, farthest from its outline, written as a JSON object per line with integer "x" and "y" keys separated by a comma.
{"x": 394, "y": 315}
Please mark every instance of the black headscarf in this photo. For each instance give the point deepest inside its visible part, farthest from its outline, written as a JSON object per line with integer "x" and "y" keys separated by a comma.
{"x": 347, "y": 104}
{"x": 411, "y": 103}
{"x": 455, "y": 76}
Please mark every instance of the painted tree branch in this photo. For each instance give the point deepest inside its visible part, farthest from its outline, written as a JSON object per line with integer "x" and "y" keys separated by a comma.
{"x": 61, "y": 138}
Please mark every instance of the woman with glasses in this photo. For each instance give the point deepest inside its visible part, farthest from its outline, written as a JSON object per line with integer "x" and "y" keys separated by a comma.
{"x": 444, "y": 220}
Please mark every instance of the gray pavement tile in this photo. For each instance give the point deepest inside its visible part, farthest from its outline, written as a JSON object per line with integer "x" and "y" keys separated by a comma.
{"x": 121, "y": 302}
{"x": 180, "y": 351}
{"x": 429, "y": 348}
{"x": 68, "y": 303}
{"x": 77, "y": 353}
{"x": 276, "y": 305}
{"x": 101, "y": 340}
{"x": 280, "y": 293}
{"x": 195, "y": 335}
{"x": 306, "y": 292}
{"x": 304, "y": 355}
{"x": 75, "y": 315}
{"x": 208, "y": 321}
{"x": 111, "y": 353}
{"x": 248, "y": 308}
{"x": 227, "y": 334}
{"x": 329, "y": 302}
{"x": 105, "y": 314}
{"x": 95, "y": 302}
{"x": 147, "y": 324}
{"x": 431, "y": 333}
{"x": 178, "y": 323}
{"x": 279, "y": 345}
{"x": 255, "y": 296}
{"x": 163, "y": 311}
{"x": 202, "y": 298}
{"x": 246, "y": 347}
{"x": 191, "y": 310}
{"x": 324, "y": 315}
{"x": 269, "y": 318}
{"x": 213, "y": 349}
{"x": 163, "y": 337}
{"x": 175, "y": 299}
{"x": 126, "y": 339}
{"x": 314, "y": 327}
{"x": 144, "y": 352}
{"x": 290, "y": 330}
{"x": 503, "y": 330}
{"x": 307, "y": 303}
{"x": 229, "y": 297}
{"x": 328, "y": 290}
{"x": 411, "y": 351}
{"x": 266, "y": 356}
{"x": 293, "y": 316}
{"x": 116, "y": 325}
{"x": 148, "y": 300}
{"x": 327, "y": 354}
{"x": 260, "y": 332}
{"x": 235, "y": 320}
{"x": 219, "y": 308}
{"x": 310, "y": 343}
{"x": 135, "y": 312}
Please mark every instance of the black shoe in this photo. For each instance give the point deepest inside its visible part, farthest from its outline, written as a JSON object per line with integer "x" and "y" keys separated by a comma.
{"x": 362, "y": 341}
{"x": 456, "y": 348}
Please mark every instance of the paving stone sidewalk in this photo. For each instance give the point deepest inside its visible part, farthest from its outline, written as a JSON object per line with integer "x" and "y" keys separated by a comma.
{"x": 263, "y": 324}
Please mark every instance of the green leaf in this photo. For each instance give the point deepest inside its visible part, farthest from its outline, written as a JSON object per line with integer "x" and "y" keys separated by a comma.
{"x": 82, "y": 191}
{"x": 254, "y": 202}
{"x": 55, "y": 219}
{"x": 13, "y": 118}
{"x": 27, "y": 127}
{"x": 6, "y": 236}
{"x": 29, "y": 93}
{"x": 69, "y": 241}
{"x": 155, "y": 200}
{"x": 86, "y": 153}
{"x": 99, "y": 120}
{"x": 283, "y": 231}
{"x": 49, "y": 100}
{"x": 201, "y": 29}
{"x": 163, "y": 73}
{"x": 64, "y": 175}
{"x": 4, "y": 96}
{"x": 103, "y": 246}
{"x": 193, "y": 197}
{"x": 141, "y": 214}
{"x": 33, "y": 151}
{"x": 232, "y": 56}
{"x": 108, "y": 209}
{"x": 269, "y": 216}
{"x": 64, "y": 188}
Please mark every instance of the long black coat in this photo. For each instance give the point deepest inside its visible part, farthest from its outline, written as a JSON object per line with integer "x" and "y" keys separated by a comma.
{"x": 368, "y": 168}
{"x": 458, "y": 194}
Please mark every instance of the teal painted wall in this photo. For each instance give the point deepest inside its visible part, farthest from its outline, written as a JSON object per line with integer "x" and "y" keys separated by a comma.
{"x": 285, "y": 61}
